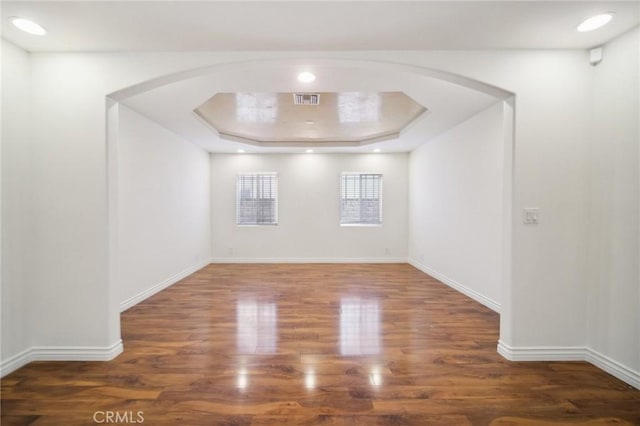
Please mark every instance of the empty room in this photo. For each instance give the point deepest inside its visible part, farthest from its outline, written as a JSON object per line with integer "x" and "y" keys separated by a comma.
{"x": 320, "y": 212}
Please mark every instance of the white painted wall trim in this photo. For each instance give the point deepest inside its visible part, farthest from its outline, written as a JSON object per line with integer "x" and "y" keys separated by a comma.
{"x": 480, "y": 298}
{"x": 61, "y": 353}
{"x": 17, "y": 361}
{"x": 134, "y": 300}
{"x": 76, "y": 353}
{"x": 571, "y": 353}
{"x": 311, "y": 260}
{"x": 614, "y": 368}
{"x": 541, "y": 353}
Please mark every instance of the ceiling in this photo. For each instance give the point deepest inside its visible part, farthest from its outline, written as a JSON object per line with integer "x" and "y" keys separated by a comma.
{"x": 319, "y": 119}
{"x": 103, "y": 26}
{"x": 312, "y": 25}
{"x": 173, "y": 104}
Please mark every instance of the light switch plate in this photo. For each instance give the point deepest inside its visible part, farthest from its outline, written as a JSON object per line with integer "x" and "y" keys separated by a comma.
{"x": 531, "y": 216}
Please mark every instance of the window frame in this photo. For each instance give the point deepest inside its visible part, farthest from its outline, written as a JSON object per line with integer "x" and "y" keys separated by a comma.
{"x": 380, "y": 183}
{"x": 239, "y": 177}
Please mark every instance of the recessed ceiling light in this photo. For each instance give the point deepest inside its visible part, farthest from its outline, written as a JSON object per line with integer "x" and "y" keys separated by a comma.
{"x": 595, "y": 22}
{"x": 28, "y": 26}
{"x": 309, "y": 151}
{"x": 310, "y": 122}
{"x": 240, "y": 151}
{"x": 377, "y": 150}
{"x": 306, "y": 77}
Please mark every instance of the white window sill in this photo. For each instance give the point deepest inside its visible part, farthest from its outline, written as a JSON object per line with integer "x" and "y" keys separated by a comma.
{"x": 362, "y": 225}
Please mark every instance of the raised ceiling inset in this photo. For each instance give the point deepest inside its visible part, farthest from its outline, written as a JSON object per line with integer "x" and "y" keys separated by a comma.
{"x": 286, "y": 119}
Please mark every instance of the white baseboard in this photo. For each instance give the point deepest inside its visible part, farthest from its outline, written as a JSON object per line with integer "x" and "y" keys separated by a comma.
{"x": 486, "y": 301}
{"x": 134, "y": 300}
{"x": 17, "y": 361}
{"x": 310, "y": 260}
{"x": 76, "y": 353}
{"x": 541, "y": 353}
{"x": 571, "y": 353}
{"x": 60, "y": 353}
{"x": 614, "y": 368}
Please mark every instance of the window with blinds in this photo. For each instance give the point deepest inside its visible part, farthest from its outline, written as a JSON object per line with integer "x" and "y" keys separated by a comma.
{"x": 360, "y": 199}
{"x": 257, "y": 199}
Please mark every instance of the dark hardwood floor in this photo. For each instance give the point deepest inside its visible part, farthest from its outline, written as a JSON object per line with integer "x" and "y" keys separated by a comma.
{"x": 313, "y": 344}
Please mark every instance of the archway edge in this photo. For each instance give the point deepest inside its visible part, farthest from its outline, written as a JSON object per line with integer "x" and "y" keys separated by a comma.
{"x": 148, "y": 85}
{"x": 507, "y": 97}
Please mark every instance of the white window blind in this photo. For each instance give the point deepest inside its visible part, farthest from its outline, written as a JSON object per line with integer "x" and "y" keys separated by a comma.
{"x": 257, "y": 199}
{"x": 360, "y": 199}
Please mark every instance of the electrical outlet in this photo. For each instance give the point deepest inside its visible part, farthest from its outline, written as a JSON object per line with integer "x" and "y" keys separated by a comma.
{"x": 531, "y": 216}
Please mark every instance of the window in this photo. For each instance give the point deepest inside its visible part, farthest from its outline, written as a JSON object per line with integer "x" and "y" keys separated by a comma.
{"x": 360, "y": 199}
{"x": 257, "y": 199}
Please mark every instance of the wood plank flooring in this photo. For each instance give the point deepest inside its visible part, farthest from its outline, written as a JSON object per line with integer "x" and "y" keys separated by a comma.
{"x": 313, "y": 344}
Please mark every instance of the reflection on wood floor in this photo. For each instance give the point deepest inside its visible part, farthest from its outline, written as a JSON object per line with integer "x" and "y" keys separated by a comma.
{"x": 313, "y": 344}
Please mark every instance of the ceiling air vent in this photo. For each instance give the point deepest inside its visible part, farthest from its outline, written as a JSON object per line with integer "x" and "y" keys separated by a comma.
{"x": 306, "y": 98}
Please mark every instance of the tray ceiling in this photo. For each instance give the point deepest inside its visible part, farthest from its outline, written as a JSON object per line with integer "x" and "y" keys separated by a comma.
{"x": 329, "y": 118}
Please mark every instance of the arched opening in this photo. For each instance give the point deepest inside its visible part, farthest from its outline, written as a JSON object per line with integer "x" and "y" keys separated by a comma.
{"x": 187, "y": 89}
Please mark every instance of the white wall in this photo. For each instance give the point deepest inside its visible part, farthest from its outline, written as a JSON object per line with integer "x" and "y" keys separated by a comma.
{"x": 163, "y": 207}
{"x": 71, "y": 301}
{"x": 309, "y": 209}
{"x": 17, "y": 199}
{"x": 455, "y": 226}
{"x": 614, "y": 292}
